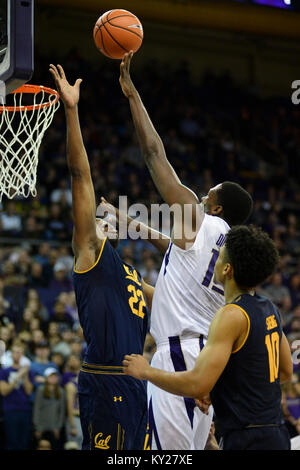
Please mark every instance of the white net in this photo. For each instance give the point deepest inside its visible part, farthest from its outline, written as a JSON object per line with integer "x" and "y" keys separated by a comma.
{"x": 22, "y": 128}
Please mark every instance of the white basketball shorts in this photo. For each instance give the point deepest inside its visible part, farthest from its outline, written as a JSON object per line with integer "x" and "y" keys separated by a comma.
{"x": 175, "y": 423}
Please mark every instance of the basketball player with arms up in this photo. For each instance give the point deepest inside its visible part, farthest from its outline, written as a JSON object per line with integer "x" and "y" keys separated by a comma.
{"x": 186, "y": 296}
{"x": 111, "y": 299}
{"x": 246, "y": 356}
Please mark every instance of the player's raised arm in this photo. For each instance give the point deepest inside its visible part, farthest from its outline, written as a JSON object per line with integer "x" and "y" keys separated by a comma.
{"x": 83, "y": 197}
{"x": 166, "y": 180}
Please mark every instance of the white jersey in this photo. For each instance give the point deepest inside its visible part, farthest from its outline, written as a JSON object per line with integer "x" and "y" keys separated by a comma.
{"x": 186, "y": 297}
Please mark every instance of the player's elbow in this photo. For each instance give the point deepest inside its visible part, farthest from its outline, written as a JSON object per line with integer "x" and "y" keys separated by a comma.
{"x": 79, "y": 173}
{"x": 151, "y": 154}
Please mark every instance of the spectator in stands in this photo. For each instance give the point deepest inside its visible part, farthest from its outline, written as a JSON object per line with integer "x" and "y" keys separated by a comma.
{"x": 28, "y": 315}
{"x": 37, "y": 278}
{"x": 291, "y": 405}
{"x": 64, "y": 346}
{"x": 61, "y": 316}
{"x": 77, "y": 347}
{"x": 71, "y": 369}
{"x": 41, "y": 362}
{"x": 57, "y": 226}
{"x": 58, "y": 359}
{"x": 43, "y": 253}
{"x": 294, "y": 288}
{"x": 73, "y": 427}
{"x": 65, "y": 258}
{"x": 49, "y": 409}
{"x": 5, "y": 336}
{"x": 32, "y": 228}
{"x": 10, "y": 221}
{"x": 33, "y": 301}
{"x": 59, "y": 283}
{"x": 280, "y": 295}
{"x": 53, "y": 334}
{"x": 62, "y": 191}
{"x": 6, "y": 313}
{"x": 7, "y": 358}
{"x": 37, "y": 337}
{"x": 16, "y": 385}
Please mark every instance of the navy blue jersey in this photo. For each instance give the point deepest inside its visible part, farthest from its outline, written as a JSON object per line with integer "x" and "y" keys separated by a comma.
{"x": 111, "y": 307}
{"x": 248, "y": 391}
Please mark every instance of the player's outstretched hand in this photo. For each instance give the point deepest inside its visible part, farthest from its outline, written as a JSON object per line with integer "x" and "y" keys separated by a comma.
{"x": 68, "y": 93}
{"x": 136, "y": 366}
{"x": 125, "y": 79}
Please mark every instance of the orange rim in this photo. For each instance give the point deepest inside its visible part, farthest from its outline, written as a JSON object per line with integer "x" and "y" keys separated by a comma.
{"x": 33, "y": 89}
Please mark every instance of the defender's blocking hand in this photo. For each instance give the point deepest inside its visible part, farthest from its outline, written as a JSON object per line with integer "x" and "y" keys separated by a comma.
{"x": 125, "y": 79}
{"x": 68, "y": 93}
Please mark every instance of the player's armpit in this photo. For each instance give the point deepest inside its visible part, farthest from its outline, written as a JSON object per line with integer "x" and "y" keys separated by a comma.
{"x": 87, "y": 254}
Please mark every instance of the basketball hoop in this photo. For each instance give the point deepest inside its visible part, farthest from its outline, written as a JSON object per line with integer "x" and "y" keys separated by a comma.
{"x": 22, "y": 127}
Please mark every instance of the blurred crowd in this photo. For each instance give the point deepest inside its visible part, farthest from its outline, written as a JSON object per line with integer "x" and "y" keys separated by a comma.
{"x": 213, "y": 130}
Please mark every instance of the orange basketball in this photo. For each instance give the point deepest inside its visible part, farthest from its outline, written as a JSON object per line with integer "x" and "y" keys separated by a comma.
{"x": 117, "y": 32}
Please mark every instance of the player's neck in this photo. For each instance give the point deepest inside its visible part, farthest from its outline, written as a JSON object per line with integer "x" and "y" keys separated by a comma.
{"x": 232, "y": 291}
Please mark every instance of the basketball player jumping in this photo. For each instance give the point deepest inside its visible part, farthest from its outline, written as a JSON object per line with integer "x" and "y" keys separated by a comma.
{"x": 111, "y": 300}
{"x": 246, "y": 356}
{"x": 186, "y": 296}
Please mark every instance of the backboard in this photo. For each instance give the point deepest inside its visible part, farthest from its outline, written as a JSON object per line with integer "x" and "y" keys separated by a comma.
{"x": 16, "y": 44}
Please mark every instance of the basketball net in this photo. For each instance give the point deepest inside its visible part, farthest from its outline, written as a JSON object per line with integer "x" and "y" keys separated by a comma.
{"x": 22, "y": 128}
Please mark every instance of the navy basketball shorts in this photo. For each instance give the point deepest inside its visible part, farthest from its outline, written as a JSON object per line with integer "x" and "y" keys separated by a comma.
{"x": 113, "y": 410}
{"x": 257, "y": 438}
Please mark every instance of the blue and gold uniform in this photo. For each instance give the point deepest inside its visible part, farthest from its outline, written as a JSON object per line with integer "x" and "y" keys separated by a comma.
{"x": 113, "y": 315}
{"x": 247, "y": 396}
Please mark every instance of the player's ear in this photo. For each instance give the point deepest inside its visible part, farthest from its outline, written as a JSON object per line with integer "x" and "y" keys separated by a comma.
{"x": 228, "y": 270}
{"x": 217, "y": 210}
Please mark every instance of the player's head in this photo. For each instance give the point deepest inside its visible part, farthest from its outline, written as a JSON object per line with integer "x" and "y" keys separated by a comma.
{"x": 229, "y": 201}
{"x": 248, "y": 257}
{"x": 106, "y": 228}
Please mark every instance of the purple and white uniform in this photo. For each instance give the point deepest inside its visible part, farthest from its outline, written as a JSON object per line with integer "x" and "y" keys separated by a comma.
{"x": 184, "y": 303}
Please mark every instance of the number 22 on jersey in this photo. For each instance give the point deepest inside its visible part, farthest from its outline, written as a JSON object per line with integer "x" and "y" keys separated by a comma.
{"x": 136, "y": 301}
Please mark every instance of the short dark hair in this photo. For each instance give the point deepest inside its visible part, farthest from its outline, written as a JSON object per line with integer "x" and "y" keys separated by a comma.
{"x": 236, "y": 202}
{"x": 252, "y": 254}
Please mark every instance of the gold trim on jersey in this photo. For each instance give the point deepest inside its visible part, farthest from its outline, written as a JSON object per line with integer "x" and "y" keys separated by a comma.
{"x": 97, "y": 366}
{"x": 101, "y": 372}
{"x": 248, "y": 328}
{"x": 99, "y": 369}
{"x": 98, "y": 259}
